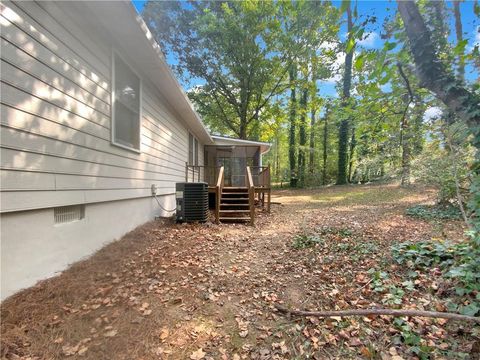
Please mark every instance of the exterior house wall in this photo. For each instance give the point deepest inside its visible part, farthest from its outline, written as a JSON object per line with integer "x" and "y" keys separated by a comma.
{"x": 56, "y": 145}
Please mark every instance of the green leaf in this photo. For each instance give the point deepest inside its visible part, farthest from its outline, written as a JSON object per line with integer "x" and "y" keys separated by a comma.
{"x": 476, "y": 8}
{"x": 350, "y": 45}
{"x": 460, "y": 47}
{"x": 389, "y": 46}
{"x": 359, "y": 62}
{"x": 384, "y": 80}
{"x": 469, "y": 310}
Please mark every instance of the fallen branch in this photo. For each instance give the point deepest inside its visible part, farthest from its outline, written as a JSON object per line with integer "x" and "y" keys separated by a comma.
{"x": 376, "y": 312}
{"x": 364, "y": 286}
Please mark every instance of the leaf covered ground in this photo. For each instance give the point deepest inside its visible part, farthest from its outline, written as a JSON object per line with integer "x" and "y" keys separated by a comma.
{"x": 207, "y": 291}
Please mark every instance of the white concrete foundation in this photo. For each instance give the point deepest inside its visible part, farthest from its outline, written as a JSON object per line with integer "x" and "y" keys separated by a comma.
{"x": 33, "y": 248}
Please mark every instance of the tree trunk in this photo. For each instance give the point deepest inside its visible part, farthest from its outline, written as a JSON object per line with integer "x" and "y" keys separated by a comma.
{"x": 243, "y": 129}
{"x": 459, "y": 34}
{"x": 325, "y": 153}
{"x": 432, "y": 73}
{"x": 405, "y": 132}
{"x": 303, "y": 138}
{"x": 277, "y": 156}
{"x": 311, "y": 160}
{"x": 405, "y": 143}
{"x": 353, "y": 143}
{"x": 292, "y": 158}
{"x": 345, "y": 123}
{"x": 440, "y": 33}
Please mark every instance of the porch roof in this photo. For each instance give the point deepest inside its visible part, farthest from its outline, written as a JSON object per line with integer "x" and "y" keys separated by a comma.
{"x": 223, "y": 140}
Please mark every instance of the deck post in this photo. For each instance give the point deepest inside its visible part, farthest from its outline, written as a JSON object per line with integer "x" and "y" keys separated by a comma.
{"x": 218, "y": 194}
{"x": 268, "y": 202}
{"x": 269, "y": 188}
{"x": 251, "y": 195}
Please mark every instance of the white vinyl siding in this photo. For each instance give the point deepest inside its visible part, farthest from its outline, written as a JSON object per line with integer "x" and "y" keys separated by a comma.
{"x": 56, "y": 133}
{"x": 126, "y": 100}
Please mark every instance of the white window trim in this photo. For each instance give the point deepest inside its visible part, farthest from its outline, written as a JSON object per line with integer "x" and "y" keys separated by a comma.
{"x": 196, "y": 150}
{"x": 112, "y": 105}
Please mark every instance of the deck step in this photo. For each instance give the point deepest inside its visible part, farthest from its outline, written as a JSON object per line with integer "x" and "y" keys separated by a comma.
{"x": 235, "y": 199}
{"x": 227, "y": 219}
{"x": 234, "y": 205}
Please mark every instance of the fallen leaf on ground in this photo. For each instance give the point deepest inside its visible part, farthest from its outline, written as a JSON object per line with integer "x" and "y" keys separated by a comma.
{"x": 197, "y": 355}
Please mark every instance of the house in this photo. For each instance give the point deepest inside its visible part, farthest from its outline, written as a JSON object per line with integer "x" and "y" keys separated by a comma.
{"x": 93, "y": 126}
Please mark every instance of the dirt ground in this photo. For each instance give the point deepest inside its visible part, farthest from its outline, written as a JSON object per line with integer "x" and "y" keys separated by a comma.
{"x": 207, "y": 291}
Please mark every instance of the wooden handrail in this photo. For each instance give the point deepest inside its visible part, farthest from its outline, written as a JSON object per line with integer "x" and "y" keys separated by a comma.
{"x": 220, "y": 176}
{"x": 199, "y": 173}
{"x": 251, "y": 195}
{"x": 218, "y": 193}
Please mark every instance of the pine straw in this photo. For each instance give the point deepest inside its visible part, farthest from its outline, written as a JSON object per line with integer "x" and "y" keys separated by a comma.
{"x": 26, "y": 315}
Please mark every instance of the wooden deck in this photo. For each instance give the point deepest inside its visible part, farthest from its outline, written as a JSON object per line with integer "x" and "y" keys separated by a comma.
{"x": 235, "y": 203}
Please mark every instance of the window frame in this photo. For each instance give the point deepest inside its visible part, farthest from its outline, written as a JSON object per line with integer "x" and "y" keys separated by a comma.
{"x": 112, "y": 105}
{"x": 195, "y": 150}
{"x": 191, "y": 149}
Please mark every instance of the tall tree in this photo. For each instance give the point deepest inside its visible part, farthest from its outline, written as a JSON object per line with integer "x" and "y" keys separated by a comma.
{"x": 343, "y": 133}
{"x": 302, "y": 137}
{"x": 232, "y": 47}
{"x": 325, "y": 144}
{"x": 404, "y": 129}
{"x": 313, "y": 112}
{"x": 292, "y": 156}
{"x": 433, "y": 75}
{"x": 459, "y": 35}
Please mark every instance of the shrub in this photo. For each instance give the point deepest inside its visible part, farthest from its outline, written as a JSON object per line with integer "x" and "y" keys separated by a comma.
{"x": 435, "y": 167}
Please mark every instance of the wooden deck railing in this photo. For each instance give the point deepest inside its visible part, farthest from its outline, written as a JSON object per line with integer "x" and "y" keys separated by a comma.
{"x": 257, "y": 181}
{"x": 261, "y": 176}
{"x": 251, "y": 195}
{"x": 208, "y": 174}
{"x": 218, "y": 193}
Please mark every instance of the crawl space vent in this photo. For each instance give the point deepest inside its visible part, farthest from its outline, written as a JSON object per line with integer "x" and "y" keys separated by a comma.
{"x": 66, "y": 214}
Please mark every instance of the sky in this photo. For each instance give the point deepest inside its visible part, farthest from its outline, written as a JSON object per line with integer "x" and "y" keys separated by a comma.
{"x": 382, "y": 10}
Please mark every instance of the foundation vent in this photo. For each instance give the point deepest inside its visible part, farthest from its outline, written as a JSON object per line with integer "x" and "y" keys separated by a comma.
{"x": 67, "y": 214}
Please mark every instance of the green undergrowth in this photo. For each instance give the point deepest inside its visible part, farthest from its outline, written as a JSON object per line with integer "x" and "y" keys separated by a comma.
{"x": 305, "y": 240}
{"x": 338, "y": 241}
{"x": 434, "y": 212}
{"x": 459, "y": 264}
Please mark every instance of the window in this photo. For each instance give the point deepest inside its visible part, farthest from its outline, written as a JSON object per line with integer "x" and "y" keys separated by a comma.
{"x": 126, "y": 105}
{"x": 192, "y": 150}
{"x": 196, "y": 151}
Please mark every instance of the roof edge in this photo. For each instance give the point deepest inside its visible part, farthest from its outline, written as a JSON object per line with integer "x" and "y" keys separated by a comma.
{"x": 156, "y": 47}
